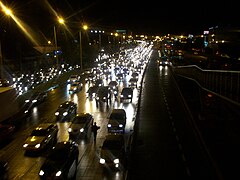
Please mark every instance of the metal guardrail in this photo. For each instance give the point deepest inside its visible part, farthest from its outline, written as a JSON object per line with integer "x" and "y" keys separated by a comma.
{"x": 221, "y": 82}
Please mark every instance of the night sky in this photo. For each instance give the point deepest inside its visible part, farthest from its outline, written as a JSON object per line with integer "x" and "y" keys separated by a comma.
{"x": 147, "y": 17}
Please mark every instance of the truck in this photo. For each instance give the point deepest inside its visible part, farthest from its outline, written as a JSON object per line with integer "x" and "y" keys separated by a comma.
{"x": 9, "y": 105}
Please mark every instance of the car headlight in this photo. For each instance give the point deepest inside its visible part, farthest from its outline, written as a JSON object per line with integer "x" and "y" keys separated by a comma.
{"x": 82, "y": 129}
{"x": 58, "y": 173}
{"x": 109, "y": 125}
{"x": 41, "y": 173}
{"x": 25, "y": 145}
{"x": 116, "y": 161}
{"x": 65, "y": 113}
{"x": 120, "y": 125}
{"x": 56, "y": 113}
{"x": 37, "y": 146}
{"x": 69, "y": 129}
{"x": 121, "y": 95}
{"x": 102, "y": 161}
{"x": 34, "y": 101}
{"x": 129, "y": 96}
{"x": 27, "y": 100}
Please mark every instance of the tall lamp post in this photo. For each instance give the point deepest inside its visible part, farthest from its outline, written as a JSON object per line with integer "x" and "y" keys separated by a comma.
{"x": 85, "y": 27}
{"x": 60, "y": 21}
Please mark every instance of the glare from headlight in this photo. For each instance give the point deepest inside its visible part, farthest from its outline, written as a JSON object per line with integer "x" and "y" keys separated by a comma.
{"x": 65, "y": 113}
{"x": 102, "y": 161}
{"x": 56, "y": 113}
{"x": 69, "y": 129}
{"x": 129, "y": 96}
{"x": 82, "y": 129}
{"x": 26, "y": 101}
{"x": 41, "y": 173}
{"x": 58, "y": 173}
{"x": 116, "y": 161}
{"x": 120, "y": 125}
{"x": 109, "y": 125}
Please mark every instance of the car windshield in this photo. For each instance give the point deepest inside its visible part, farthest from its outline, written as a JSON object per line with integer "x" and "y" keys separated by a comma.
{"x": 39, "y": 132}
{"x": 59, "y": 154}
{"x": 79, "y": 120}
{"x": 112, "y": 144}
{"x": 117, "y": 115}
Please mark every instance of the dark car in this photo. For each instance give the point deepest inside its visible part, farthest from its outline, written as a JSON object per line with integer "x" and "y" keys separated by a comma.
{"x": 75, "y": 87}
{"x": 66, "y": 111}
{"x": 103, "y": 94}
{"x": 126, "y": 94}
{"x": 41, "y": 137}
{"x": 113, "y": 153}
{"x": 36, "y": 98}
{"x": 6, "y": 132}
{"x": 92, "y": 91}
{"x": 117, "y": 121}
{"x": 61, "y": 162}
{"x": 113, "y": 85}
{"x": 81, "y": 125}
{"x": 133, "y": 82}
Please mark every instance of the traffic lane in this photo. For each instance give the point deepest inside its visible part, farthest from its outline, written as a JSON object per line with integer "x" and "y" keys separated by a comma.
{"x": 155, "y": 152}
{"x": 163, "y": 145}
{"x": 45, "y": 112}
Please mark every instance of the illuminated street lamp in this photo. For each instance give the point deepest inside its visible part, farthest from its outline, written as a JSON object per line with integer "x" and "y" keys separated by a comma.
{"x": 84, "y": 27}
{"x": 60, "y": 21}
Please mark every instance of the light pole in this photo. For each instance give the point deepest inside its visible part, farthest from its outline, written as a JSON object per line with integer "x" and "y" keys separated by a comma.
{"x": 60, "y": 21}
{"x": 85, "y": 27}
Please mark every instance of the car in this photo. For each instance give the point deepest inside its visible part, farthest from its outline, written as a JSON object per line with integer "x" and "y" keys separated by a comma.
{"x": 61, "y": 162}
{"x": 41, "y": 137}
{"x": 92, "y": 91}
{"x": 99, "y": 82}
{"x": 113, "y": 85}
{"x": 81, "y": 125}
{"x": 73, "y": 78}
{"x": 117, "y": 121}
{"x": 36, "y": 98}
{"x": 126, "y": 94}
{"x": 133, "y": 82}
{"x": 66, "y": 111}
{"x": 6, "y": 131}
{"x": 103, "y": 94}
{"x": 113, "y": 153}
{"x": 75, "y": 87}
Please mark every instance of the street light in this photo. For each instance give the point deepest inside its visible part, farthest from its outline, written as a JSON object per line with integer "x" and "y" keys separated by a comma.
{"x": 84, "y": 27}
{"x": 60, "y": 21}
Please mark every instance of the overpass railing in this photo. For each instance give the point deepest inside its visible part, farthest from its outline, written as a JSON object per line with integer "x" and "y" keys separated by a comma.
{"x": 221, "y": 82}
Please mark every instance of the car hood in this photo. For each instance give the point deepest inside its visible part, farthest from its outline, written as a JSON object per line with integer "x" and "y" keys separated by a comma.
{"x": 115, "y": 122}
{"x": 77, "y": 126}
{"x": 110, "y": 154}
{"x": 33, "y": 140}
{"x": 51, "y": 167}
